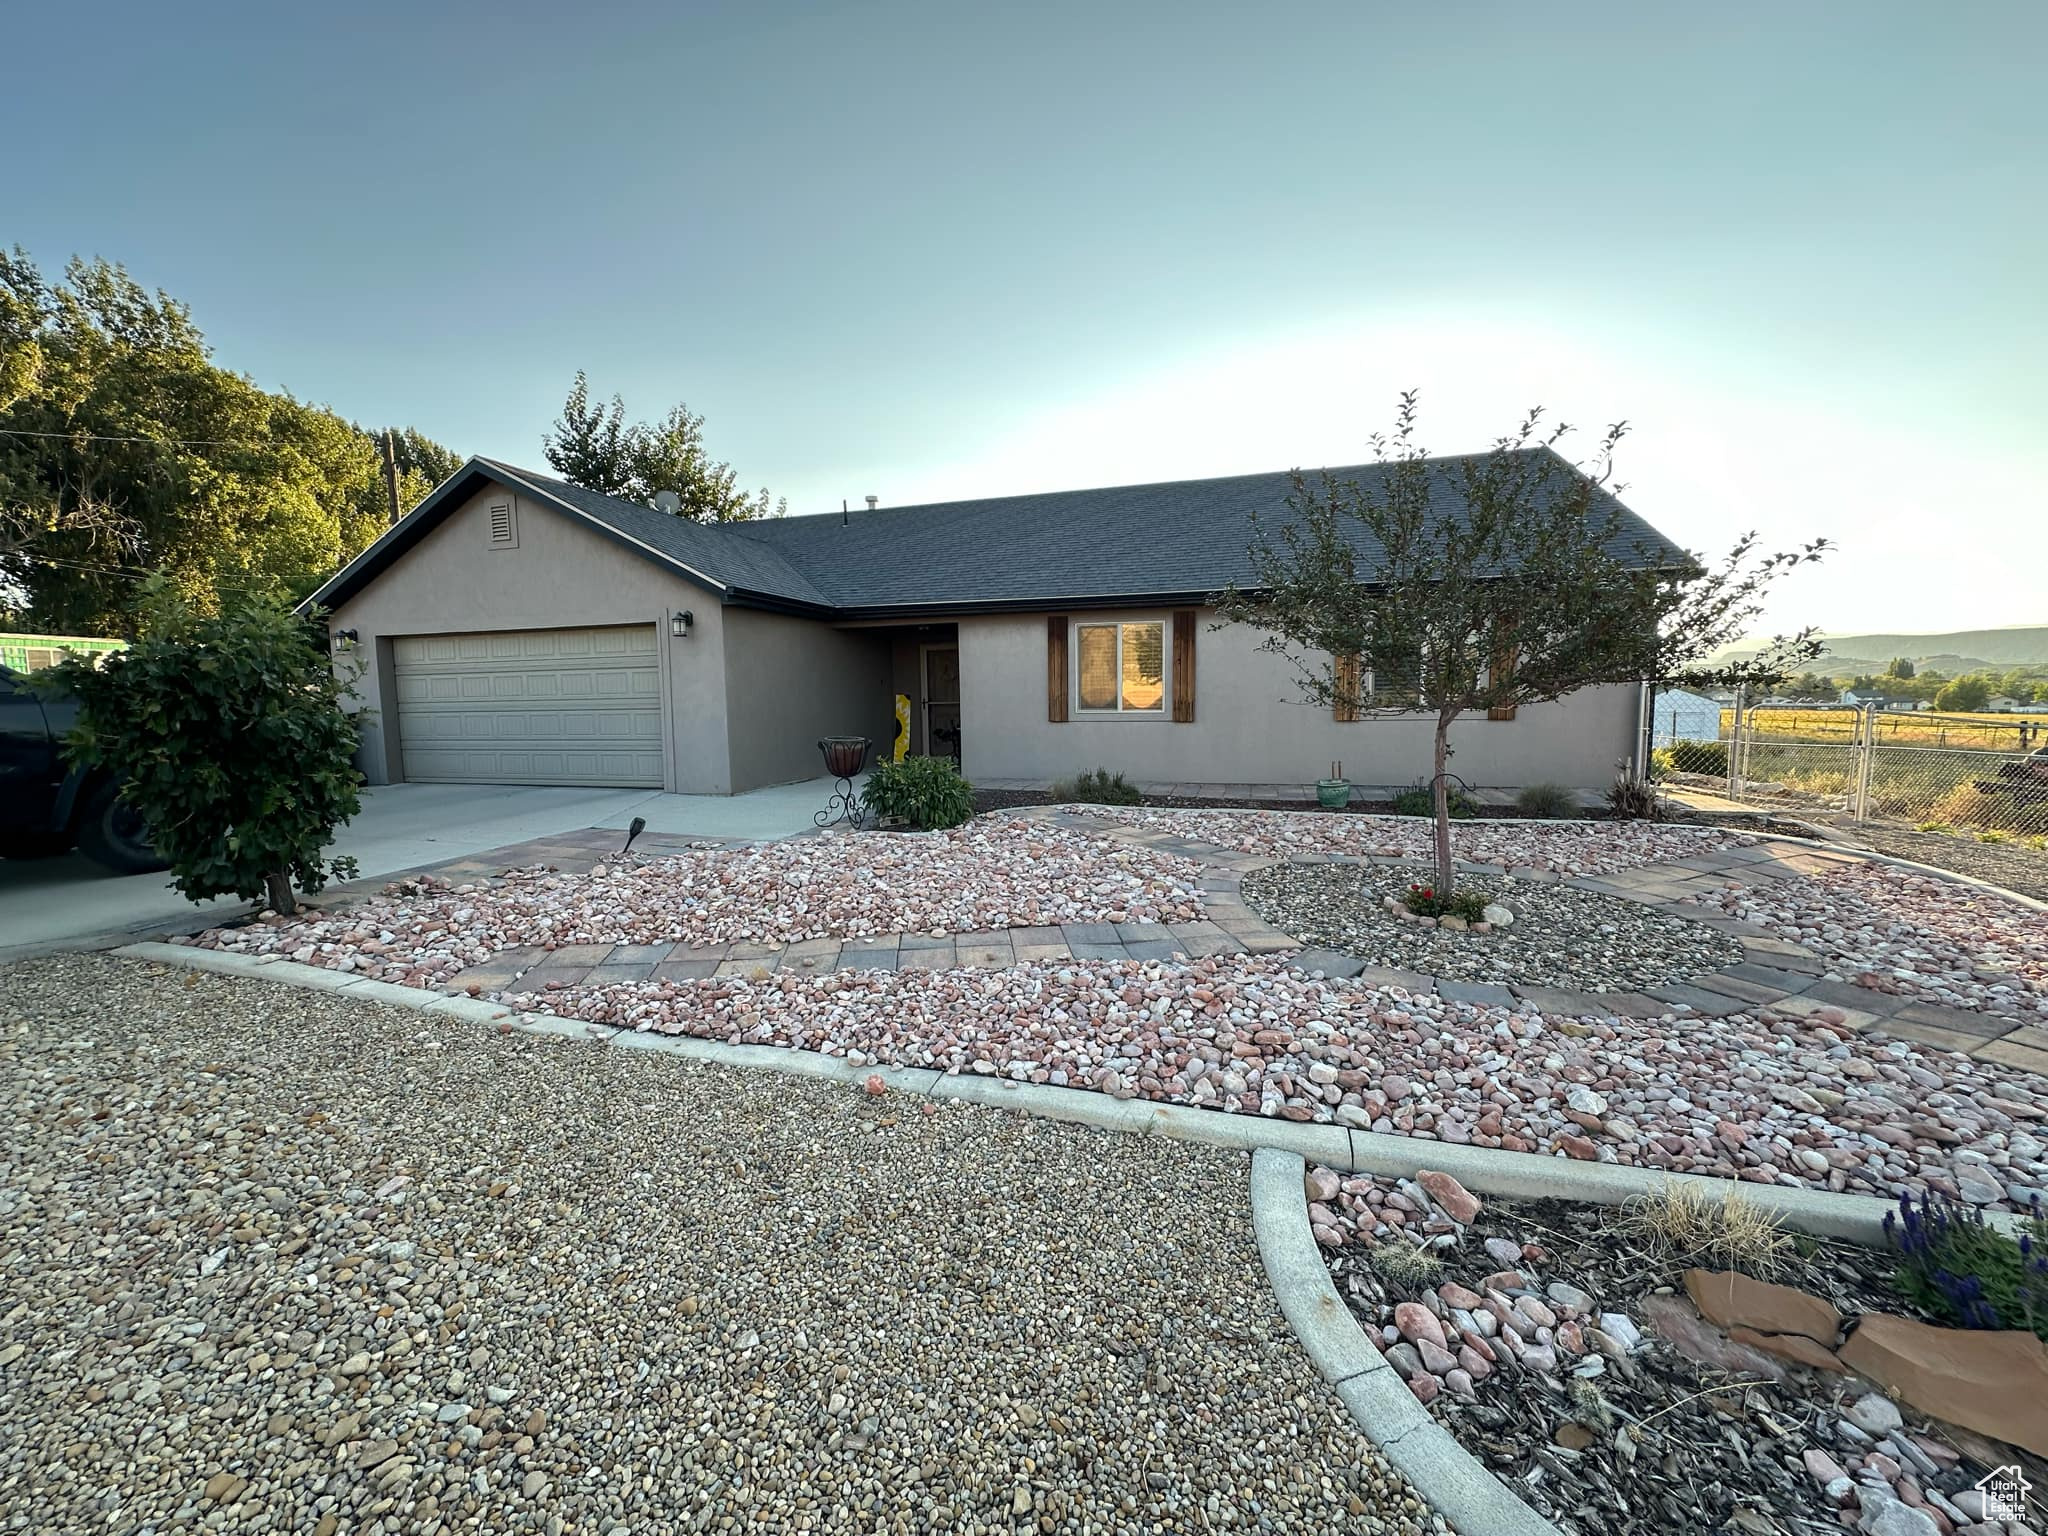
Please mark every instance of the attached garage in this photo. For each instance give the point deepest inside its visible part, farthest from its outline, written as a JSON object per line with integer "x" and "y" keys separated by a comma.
{"x": 532, "y": 706}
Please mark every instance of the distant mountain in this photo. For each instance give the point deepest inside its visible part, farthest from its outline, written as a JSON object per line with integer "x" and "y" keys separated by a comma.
{"x": 1953, "y": 651}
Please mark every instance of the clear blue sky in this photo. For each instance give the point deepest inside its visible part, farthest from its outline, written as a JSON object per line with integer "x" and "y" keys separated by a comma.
{"x": 951, "y": 250}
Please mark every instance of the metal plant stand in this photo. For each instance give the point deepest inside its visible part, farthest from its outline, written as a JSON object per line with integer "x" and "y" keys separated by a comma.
{"x": 845, "y": 757}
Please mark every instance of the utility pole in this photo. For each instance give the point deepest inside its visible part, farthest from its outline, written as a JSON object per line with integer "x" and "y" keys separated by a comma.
{"x": 391, "y": 474}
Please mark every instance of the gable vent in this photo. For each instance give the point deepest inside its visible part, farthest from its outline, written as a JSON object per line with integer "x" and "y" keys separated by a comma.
{"x": 502, "y": 531}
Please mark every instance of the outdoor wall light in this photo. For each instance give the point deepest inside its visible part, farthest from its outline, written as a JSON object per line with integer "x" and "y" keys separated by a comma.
{"x": 679, "y": 624}
{"x": 345, "y": 637}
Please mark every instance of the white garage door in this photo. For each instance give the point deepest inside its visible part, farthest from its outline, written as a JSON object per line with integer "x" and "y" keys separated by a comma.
{"x": 531, "y": 706}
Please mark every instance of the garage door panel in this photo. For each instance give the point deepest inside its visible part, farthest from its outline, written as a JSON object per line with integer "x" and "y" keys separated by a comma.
{"x": 565, "y": 706}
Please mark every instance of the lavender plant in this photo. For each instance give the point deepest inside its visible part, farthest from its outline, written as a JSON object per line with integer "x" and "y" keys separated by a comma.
{"x": 1960, "y": 1267}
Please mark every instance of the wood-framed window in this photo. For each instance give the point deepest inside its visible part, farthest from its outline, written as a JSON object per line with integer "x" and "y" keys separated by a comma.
{"x": 1120, "y": 667}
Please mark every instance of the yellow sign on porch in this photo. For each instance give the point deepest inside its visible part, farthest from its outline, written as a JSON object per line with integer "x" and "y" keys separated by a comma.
{"x": 902, "y": 726}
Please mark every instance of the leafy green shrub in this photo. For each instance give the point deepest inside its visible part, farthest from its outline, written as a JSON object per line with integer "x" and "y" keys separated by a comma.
{"x": 1706, "y": 757}
{"x": 1097, "y": 787}
{"x": 1417, "y": 801}
{"x": 1963, "y": 1269}
{"x": 1548, "y": 801}
{"x": 927, "y": 792}
{"x": 227, "y": 736}
{"x": 1423, "y": 900}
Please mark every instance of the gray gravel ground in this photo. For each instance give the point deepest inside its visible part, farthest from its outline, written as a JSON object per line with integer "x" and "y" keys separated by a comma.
{"x": 275, "y": 1261}
{"x": 1562, "y": 936}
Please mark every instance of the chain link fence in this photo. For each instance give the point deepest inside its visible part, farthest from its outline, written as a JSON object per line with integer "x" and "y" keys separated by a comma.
{"x": 1977, "y": 773}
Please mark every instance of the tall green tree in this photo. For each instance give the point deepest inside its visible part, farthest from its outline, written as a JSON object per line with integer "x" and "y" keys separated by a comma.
{"x": 594, "y": 446}
{"x": 1900, "y": 667}
{"x": 1495, "y": 580}
{"x": 124, "y": 450}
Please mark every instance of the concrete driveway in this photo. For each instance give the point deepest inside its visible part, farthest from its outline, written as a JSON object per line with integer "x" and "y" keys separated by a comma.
{"x": 70, "y": 901}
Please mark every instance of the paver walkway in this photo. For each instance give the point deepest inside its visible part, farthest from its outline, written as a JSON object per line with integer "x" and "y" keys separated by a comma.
{"x": 1774, "y": 973}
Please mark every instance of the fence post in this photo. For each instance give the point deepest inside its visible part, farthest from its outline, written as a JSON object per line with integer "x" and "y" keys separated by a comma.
{"x": 1735, "y": 764}
{"x": 1866, "y": 754}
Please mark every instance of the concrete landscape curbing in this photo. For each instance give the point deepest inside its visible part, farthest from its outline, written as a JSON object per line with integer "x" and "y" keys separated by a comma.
{"x": 1453, "y": 1481}
{"x": 1486, "y": 1171}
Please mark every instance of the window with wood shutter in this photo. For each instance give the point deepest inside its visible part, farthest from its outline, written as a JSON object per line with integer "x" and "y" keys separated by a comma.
{"x": 1506, "y": 664}
{"x": 1184, "y": 666}
{"x": 1056, "y": 669}
{"x": 1348, "y": 676}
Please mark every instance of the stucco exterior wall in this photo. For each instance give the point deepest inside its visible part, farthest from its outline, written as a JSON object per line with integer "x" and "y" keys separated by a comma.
{"x": 790, "y": 681}
{"x": 559, "y": 576}
{"x": 1249, "y": 727}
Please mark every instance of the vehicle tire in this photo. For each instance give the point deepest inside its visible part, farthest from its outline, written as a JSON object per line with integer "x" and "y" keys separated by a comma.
{"x": 111, "y": 834}
{"x": 33, "y": 845}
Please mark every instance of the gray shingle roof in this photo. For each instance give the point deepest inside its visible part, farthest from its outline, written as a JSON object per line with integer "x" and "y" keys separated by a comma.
{"x": 1176, "y": 540}
{"x": 1179, "y": 538}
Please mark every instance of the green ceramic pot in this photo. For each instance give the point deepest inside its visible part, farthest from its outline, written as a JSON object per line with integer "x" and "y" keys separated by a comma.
{"x": 1333, "y": 794}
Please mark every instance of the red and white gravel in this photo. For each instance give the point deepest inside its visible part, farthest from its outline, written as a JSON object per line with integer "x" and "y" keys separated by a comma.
{"x": 1900, "y": 931}
{"x": 1757, "y": 1097}
{"x": 985, "y": 875}
{"x": 1567, "y": 847}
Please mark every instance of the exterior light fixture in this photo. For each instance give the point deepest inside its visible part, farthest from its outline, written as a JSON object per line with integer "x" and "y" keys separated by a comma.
{"x": 344, "y": 637}
{"x": 679, "y": 623}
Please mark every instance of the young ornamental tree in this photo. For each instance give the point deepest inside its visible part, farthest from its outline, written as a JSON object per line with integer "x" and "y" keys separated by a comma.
{"x": 227, "y": 736}
{"x": 1489, "y": 581}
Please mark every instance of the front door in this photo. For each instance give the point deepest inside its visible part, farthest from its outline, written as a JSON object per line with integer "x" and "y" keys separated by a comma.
{"x": 942, "y": 701}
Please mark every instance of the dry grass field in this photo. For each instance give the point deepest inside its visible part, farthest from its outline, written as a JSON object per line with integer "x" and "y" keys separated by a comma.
{"x": 1982, "y": 733}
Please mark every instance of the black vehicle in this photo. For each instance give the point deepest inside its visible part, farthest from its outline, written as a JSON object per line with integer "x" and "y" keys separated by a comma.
{"x": 46, "y": 805}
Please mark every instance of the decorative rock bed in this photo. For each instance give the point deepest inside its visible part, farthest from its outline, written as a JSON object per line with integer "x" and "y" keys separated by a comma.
{"x": 1563, "y": 847}
{"x": 1899, "y": 931}
{"x": 1779, "y": 1100}
{"x": 1561, "y": 936}
{"x": 988, "y": 874}
{"x": 1572, "y": 1356}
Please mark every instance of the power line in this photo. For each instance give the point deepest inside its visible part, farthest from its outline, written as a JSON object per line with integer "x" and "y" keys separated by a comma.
{"x": 166, "y": 442}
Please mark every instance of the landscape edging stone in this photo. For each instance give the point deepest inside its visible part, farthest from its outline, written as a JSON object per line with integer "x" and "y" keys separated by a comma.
{"x": 1449, "y": 1477}
{"x": 1484, "y": 1170}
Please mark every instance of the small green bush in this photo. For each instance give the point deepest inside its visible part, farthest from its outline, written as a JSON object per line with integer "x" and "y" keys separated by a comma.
{"x": 1417, "y": 801}
{"x": 1548, "y": 801}
{"x": 927, "y": 792}
{"x": 1424, "y": 901}
{"x": 228, "y": 737}
{"x": 1705, "y": 757}
{"x": 1097, "y": 787}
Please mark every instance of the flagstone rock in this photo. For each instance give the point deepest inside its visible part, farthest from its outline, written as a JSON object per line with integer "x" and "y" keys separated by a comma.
{"x": 1993, "y": 1382}
{"x": 1729, "y": 1299}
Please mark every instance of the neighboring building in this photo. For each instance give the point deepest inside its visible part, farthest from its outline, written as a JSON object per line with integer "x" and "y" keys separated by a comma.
{"x": 32, "y": 653}
{"x": 518, "y": 629}
{"x": 1678, "y": 715}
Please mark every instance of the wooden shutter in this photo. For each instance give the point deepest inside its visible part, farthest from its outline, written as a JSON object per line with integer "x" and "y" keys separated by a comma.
{"x": 1056, "y": 668}
{"x": 1184, "y": 666}
{"x": 1504, "y": 711}
{"x": 1348, "y": 676}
